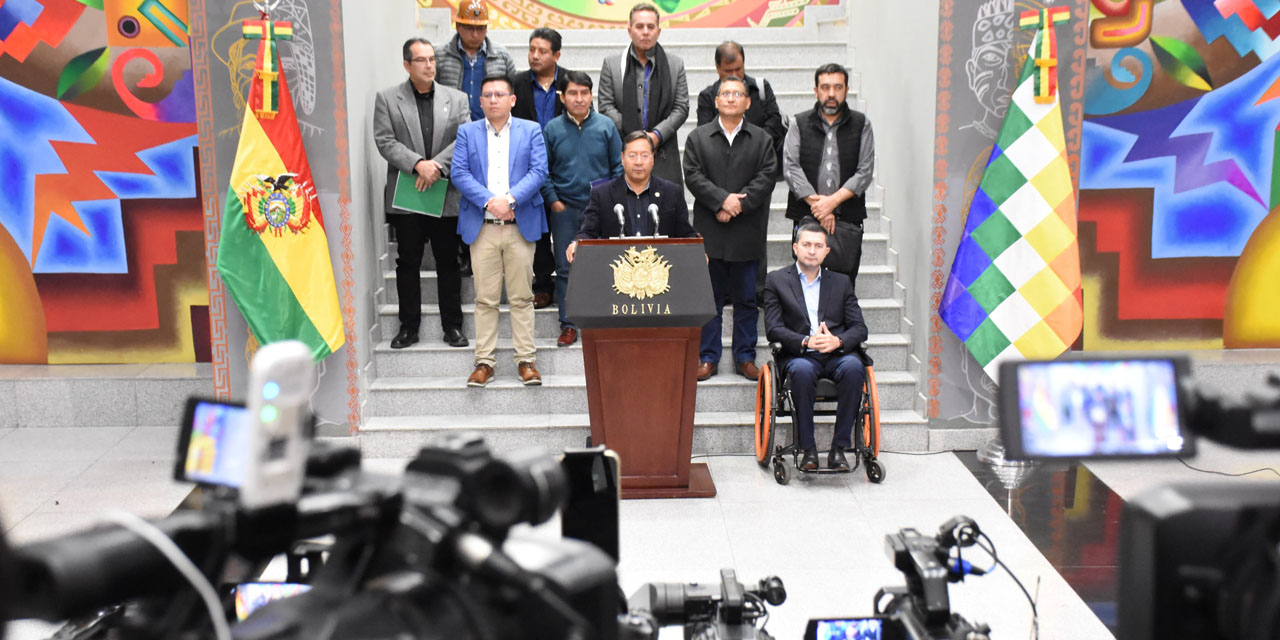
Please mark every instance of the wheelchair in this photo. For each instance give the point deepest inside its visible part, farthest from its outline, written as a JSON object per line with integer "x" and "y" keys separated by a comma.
{"x": 773, "y": 399}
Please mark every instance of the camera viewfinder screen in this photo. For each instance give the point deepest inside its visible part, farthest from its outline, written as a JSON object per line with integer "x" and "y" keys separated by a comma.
{"x": 853, "y": 629}
{"x": 252, "y": 596}
{"x": 218, "y": 446}
{"x": 1099, "y": 408}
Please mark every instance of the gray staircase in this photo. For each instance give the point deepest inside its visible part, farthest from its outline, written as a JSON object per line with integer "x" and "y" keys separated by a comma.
{"x": 421, "y": 391}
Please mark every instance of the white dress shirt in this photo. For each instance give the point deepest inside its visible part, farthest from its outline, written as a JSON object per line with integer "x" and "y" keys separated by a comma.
{"x": 499, "y": 175}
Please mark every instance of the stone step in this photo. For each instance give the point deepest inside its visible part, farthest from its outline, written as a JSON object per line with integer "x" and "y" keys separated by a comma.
{"x": 882, "y": 315}
{"x": 889, "y": 352}
{"x": 99, "y": 395}
{"x": 413, "y": 396}
{"x": 874, "y": 281}
{"x": 714, "y": 432}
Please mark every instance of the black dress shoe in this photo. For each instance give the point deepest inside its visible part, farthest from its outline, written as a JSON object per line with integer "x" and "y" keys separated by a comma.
{"x": 809, "y": 461}
{"x": 405, "y": 338}
{"x": 454, "y": 338}
{"x": 836, "y": 460}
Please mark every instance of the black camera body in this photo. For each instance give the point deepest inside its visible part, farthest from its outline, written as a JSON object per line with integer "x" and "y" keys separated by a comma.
{"x": 706, "y": 612}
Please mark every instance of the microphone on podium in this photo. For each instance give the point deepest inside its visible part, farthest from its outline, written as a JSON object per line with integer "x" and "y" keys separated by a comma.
{"x": 622, "y": 224}
{"x": 653, "y": 214}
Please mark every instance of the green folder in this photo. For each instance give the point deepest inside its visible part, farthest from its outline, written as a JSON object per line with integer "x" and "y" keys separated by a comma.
{"x": 408, "y": 198}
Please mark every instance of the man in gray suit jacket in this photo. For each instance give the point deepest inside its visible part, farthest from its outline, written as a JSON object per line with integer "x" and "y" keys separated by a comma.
{"x": 414, "y": 126}
{"x": 645, "y": 89}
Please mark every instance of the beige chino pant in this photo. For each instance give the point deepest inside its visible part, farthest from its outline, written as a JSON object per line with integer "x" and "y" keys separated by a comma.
{"x": 501, "y": 255}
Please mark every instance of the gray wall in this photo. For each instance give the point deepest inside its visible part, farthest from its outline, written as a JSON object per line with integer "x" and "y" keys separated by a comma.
{"x": 895, "y": 47}
{"x": 373, "y": 62}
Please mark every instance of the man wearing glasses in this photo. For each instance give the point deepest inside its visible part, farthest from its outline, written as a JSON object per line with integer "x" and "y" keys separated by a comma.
{"x": 499, "y": 165}
{"x": 729, "y": 166}
{"x": 628, "y": 205}
{"x": 414, "y": 127}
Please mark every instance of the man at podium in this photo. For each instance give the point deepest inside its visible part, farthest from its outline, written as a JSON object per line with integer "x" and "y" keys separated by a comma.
{"x": 637, "y": 203}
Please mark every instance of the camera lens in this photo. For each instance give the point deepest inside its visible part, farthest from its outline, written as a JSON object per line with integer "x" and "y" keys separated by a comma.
{"x": 528, "y": 486}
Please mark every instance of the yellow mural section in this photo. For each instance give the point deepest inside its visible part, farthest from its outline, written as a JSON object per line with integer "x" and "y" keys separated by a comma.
{"x": 1252, "y": 317}
{"x": 22, "y": 329}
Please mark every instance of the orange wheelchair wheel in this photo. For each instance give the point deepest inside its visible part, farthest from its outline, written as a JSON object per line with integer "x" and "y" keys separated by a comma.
{"x": 871, "y": 434}
{"x": 764, "y": 415}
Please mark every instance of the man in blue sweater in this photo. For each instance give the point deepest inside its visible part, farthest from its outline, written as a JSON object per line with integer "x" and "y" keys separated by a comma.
{"x": 582, "y": 147}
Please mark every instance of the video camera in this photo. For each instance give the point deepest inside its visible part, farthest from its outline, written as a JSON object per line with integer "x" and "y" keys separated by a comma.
{"x": 1197, "y": 561}
{"x": 921, "y": 610}
{"x": 706, "y": 613}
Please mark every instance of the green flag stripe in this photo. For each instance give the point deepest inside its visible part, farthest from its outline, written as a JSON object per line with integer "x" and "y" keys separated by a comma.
{"x": 257, "y": 286}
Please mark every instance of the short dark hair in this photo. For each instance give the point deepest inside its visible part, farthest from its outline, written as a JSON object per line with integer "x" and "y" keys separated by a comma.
{"x": 638, "y": 135}
{"x": 498, "y": 77}
{"x": 548, "y": 34}
{"x": 728, "y": 51}
{"x": 734, "y": 79}
{"x": 408, "y": 44}
{"x": 642, "y": 6}
{"x": 579, "y": 78}
{"x": 812, "y": 227}
{"x": 831, "y": 67}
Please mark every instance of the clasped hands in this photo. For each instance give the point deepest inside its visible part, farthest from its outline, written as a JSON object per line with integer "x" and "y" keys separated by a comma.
{"x": 500, "y": 207}
{"x": 426, "y": 173}
{"x": 823, "y": 341}
{"x": 823, "y": 209}
{"x": 731, "y": 207}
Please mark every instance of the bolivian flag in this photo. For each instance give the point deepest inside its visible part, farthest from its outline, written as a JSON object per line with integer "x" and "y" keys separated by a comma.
{"x": 273, "y": 255}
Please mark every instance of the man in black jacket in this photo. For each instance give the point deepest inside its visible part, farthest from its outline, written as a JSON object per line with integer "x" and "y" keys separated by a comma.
{"x": 763, "y": 110}
{"x": 729, "y": 166}
{"x": 814, "y": 314}
{"x": 626, "y": 205}
{"x": 540, "y": 97}
{"x": 827, "y": 160}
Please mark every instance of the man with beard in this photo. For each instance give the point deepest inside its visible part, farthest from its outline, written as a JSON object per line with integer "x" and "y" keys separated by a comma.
{"x": 827, "y": 160}
{"x": 645, "y": 89}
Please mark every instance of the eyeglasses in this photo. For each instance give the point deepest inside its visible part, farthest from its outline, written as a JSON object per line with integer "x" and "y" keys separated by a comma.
{"x": 495, "y": 95}
{"x": 421, "y": 60}
{"x": 639, "y": 156}
{"x": 732, "y": 94}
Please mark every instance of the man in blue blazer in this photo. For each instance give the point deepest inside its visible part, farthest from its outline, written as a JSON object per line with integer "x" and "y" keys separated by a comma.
{"x": 499, "y": 165}
{"x": 814, "y": 314}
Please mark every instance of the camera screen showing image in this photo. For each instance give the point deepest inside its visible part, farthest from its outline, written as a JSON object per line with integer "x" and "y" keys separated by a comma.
{"x": 1094, "y": 408}
{"x": 214, "y": 444}
{"x": 252, "y": 596}
{"x": 869, "y": 628}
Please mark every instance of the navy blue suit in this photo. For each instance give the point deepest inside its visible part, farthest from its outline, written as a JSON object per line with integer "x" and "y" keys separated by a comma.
{"x": 786, "y": 321}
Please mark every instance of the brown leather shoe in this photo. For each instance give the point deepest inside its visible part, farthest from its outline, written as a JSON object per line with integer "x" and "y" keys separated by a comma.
{"x": 541, "y": 300}
{"x": 528, "y": 374}
{"x": 568, "y": 336}
{"x": 481, "y": 376}
{"x": 706, "y": 370}
{"x": 749, "y": 370}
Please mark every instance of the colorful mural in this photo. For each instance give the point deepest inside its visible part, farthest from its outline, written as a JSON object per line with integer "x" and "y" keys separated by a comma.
{"x": 101, "y": 235}
{"x": 610, "y": 14}
{"x": 1178, "y": 174}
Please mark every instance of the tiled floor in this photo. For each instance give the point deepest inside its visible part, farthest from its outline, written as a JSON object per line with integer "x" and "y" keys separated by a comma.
{"x": 823, "y": 535}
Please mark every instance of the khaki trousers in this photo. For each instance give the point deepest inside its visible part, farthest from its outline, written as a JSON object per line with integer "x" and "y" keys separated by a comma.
{"x": 501, "y": 255}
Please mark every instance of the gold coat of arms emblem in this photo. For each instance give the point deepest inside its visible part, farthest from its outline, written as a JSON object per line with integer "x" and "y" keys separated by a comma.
{"x": 641, "y": 274}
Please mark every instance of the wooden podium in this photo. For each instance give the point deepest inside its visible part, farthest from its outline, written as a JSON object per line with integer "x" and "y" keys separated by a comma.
{"x": 641, "y": 304}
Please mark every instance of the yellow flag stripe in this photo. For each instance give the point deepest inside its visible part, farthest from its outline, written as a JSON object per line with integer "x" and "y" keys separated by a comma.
{"x": 302, "y": 259}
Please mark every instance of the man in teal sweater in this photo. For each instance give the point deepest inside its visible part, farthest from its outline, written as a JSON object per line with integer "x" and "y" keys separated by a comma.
{"x": 583, "y": 147}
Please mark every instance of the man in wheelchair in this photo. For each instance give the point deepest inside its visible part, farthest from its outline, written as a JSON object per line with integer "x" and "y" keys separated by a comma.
{"x": 813, "y": 313}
